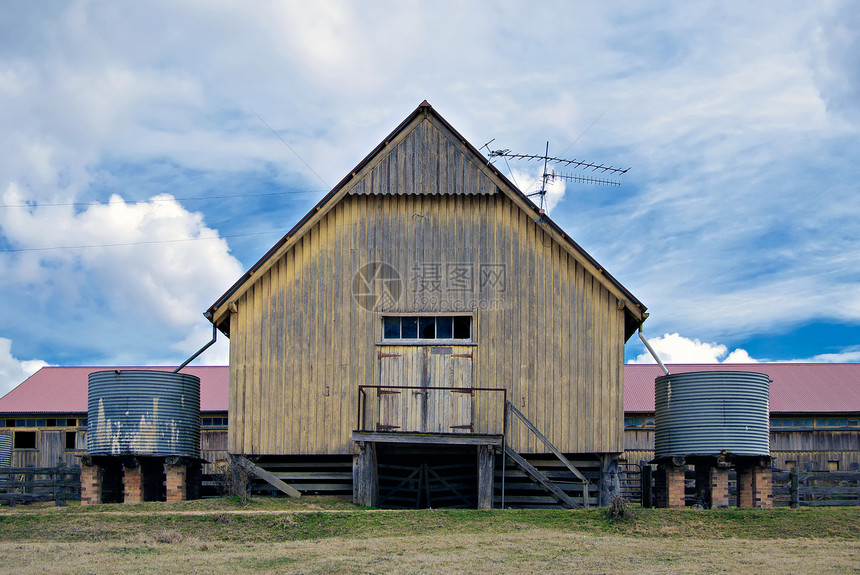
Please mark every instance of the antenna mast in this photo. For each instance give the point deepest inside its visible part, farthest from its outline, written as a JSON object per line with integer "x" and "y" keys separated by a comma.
{"x": 553, "y": 175}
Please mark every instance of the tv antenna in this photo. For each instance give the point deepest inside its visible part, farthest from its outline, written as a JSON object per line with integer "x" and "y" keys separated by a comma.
{"x": 550, "y": 174}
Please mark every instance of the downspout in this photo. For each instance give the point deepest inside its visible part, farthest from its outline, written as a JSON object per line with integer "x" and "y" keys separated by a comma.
{"x": 202, "y": 349}
{"x": 651, "y": 349}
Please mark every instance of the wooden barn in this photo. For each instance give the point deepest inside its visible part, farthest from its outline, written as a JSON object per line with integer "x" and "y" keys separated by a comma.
{"x": 424, "y": 318}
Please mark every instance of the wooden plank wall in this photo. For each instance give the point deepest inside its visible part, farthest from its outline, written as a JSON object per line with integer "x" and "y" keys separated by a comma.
{"x": 300, "y": 345}
{"x": 813, "y": 450}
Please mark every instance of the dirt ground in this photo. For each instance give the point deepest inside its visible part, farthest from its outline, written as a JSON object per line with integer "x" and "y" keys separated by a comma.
{"x": 527, "y": 551}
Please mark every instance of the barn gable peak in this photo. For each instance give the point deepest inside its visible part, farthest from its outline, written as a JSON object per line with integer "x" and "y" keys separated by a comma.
{"x": 407, "y": 162}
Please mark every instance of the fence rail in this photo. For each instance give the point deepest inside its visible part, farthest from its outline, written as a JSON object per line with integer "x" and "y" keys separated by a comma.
{"x": 39, "y": 484}
{"x": 816, "y": 488}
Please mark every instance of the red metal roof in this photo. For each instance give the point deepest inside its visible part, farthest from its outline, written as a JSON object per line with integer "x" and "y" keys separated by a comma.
{"x": 796, "y": 387}
{"x": 64, "y": 389}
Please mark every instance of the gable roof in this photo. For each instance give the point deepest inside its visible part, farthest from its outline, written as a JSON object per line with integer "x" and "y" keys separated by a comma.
{"x": 633, "y": 307}
{"x": 64, "y": 389}
{"x": 795, "y": 387}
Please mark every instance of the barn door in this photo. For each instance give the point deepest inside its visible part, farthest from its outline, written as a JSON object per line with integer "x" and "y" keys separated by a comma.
{"x": 401, "y": 409}
{"x": 389, "y": 400}
{"x": 427, "y": 411}
{"x": 462, "y": 409}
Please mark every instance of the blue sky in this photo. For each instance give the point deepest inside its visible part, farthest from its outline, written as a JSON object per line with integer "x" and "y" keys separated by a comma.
{"x": 142, "y": 132}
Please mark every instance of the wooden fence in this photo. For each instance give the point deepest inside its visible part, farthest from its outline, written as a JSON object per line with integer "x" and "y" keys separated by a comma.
{"x": 790, "y": 488}
{"x": 39, "y": 484}
{"x": 816, "y": 488}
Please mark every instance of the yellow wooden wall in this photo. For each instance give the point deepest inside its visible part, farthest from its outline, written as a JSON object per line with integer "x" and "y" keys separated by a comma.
{"x": 300, "y": 345}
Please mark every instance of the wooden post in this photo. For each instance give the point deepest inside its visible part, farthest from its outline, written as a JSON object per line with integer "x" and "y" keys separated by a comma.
{"x": 795, "y": 488}
{"x": 646, "y": 481}
{"x": 365, "y": 480}
{"x": 609, "y": 481}
{"x": 486, "y": 476}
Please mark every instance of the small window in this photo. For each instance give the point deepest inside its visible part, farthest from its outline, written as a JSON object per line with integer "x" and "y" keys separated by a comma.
{"x": 462, "y": 327}
{"x": 82, "y": 422}
{"x": 25, "y": 440}
{"x": 409, "y": 327}
{"x": 71, "y": 422}
{"x": 445, "y": 327}
{"x": 427, "y": 328}
{"x": 833, "y": 465}
{"x": 70, "y": 439}
{"x": 391, "y": 328}
{"x": 51, "y": 422}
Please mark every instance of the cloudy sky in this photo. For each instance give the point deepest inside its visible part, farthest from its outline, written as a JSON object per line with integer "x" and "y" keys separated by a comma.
{"x": 151, "y": 152}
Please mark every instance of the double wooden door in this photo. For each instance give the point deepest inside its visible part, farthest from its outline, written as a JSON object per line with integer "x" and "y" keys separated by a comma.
{"x": 444, "y": 407}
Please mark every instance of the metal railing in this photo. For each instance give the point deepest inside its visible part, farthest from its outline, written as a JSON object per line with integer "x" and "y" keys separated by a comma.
{"x": 482, "y": 418}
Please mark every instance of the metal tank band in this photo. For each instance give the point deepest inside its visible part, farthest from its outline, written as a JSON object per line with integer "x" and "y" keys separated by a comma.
{"x": 706, "y": 413}
{"x": 136, "y": 412}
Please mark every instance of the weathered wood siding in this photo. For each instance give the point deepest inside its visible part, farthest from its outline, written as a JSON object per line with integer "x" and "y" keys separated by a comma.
{"x": 809, "y": 450}
{"x": 552, "y": 334}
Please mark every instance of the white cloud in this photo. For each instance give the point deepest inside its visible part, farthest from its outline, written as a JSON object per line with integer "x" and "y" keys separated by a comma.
{"x": 12, "y": 370}
{"x": 847, "y": 355}
{"x": 150, "y": 263}
{"x": 674, "y": 348}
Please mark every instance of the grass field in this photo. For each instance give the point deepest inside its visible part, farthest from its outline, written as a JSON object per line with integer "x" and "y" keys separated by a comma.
{"x": 315, "y": 535}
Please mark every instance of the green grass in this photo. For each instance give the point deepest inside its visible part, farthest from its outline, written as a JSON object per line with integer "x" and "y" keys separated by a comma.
{"x": 272, "y": 520}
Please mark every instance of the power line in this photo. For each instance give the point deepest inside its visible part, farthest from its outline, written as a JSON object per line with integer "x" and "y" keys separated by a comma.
{"x": 171, "y": 199}
{"x": 14, "y": 250}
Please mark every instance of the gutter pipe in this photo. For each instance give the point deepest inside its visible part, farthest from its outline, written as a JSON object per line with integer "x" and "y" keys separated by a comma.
{"x": 651, "y": 349}
{"x": 202, "y": 349}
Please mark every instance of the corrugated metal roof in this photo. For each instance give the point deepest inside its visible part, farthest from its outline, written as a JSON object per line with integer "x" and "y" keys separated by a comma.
{"x": 64, "y": 389}
{"x": 796, "y": 387}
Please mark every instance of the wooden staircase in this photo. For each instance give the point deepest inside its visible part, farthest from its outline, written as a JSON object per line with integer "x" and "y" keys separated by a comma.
{"x": 540, "y": 478}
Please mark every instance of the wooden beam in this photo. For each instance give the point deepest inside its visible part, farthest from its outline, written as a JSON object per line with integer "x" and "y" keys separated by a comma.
{"x": 428, "y": 438}
{"x": 542, "y": 479}
{"x": 267, "y": 477}
{"x": 546, "y": 442}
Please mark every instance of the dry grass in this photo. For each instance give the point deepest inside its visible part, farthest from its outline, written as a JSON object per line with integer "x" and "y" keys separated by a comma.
{"x": 324, "y": 536}
{"x": 530, "y": 551}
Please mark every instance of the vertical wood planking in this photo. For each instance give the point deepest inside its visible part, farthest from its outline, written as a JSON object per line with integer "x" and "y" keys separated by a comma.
{"x": 557, "y": 340}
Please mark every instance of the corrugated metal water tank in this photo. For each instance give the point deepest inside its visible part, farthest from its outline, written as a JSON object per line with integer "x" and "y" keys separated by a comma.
{"x": 704, "y": 413}
{"x": 137, "y": 412}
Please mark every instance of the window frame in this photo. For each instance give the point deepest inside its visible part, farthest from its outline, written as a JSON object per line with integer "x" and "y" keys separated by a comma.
{"x": 436, "y": 341}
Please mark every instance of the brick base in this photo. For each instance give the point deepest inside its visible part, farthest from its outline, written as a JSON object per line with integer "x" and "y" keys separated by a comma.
{"x": 719, "y": 479}
{"x": 133, "y": 484}
{"x": 176, "y": 476}
{"x": 755, "y": 487}
{"x": 670, "y": 487}
{"x": 91, "y": 485}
